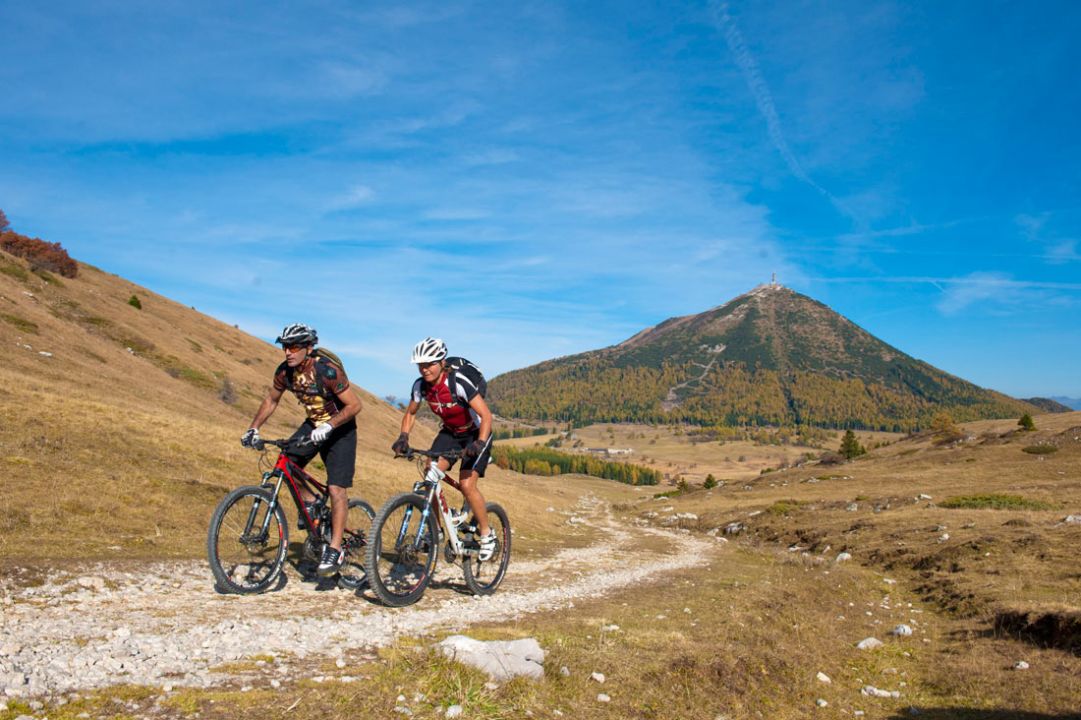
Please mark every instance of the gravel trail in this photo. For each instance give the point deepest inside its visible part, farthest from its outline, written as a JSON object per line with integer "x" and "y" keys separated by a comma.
{"x": 164, "y": 625}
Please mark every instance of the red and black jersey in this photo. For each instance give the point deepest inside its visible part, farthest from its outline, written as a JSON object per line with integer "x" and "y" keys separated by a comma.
{"x": 451, "y": 405}
{"x": 316, "y": 382}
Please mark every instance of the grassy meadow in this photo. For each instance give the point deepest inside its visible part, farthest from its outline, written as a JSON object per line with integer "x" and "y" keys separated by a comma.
{"x": 117, "y": 444}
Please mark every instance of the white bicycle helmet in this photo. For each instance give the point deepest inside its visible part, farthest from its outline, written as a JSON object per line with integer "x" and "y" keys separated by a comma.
{"x": 297, "y": 334}
{"x": 429, "y": 350}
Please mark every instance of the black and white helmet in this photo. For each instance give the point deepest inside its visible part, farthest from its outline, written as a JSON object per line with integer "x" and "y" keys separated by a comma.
{"x": 297, "y": 334}
{"x": 429, "y": 350}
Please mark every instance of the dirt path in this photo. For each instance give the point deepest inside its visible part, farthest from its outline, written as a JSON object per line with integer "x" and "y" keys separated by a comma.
{"x": 165, "y": 625}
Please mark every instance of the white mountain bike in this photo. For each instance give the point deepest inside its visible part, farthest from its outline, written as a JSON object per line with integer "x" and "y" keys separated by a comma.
{"x": 410, "y": 529}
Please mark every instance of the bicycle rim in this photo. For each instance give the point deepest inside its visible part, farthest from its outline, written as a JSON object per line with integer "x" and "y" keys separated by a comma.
{"x": 483, "y": 577}
{"x": 358, "y": 530}
{"x": 402, "y": 552}
{"x": 247, "y": 543}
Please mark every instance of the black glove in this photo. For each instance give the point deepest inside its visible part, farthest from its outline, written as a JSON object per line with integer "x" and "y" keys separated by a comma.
{"x": 401, "y": 445}
{"x": 250, "y": 438}
{"x": 474, "y": 449}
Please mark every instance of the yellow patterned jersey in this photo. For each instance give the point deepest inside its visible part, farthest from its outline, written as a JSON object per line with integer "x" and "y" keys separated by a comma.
{"x": 316, "y": 382}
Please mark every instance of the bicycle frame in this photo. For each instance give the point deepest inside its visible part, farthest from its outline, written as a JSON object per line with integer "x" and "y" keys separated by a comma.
{"x": 432, "y": 488}
{"x": 286, "y": 470}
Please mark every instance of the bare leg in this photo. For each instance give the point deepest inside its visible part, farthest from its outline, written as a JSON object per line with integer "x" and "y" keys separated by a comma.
{"x": 467, "y": 483}
{"x": 339, "y": 507}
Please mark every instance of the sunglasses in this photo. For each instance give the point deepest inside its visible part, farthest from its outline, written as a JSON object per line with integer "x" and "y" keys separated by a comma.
{"x": 293, "y": 348}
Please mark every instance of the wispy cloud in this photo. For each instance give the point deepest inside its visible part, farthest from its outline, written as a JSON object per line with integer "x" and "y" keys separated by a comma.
{"x": 354, "y": 197}
{"x": 763, "y": 99}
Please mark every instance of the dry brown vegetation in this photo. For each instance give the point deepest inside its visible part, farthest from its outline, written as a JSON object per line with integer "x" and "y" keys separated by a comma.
{"x": 117, "y": 444}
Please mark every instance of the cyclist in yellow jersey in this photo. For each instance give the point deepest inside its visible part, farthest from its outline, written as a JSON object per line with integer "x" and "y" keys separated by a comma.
{"x": 323, "y": 389}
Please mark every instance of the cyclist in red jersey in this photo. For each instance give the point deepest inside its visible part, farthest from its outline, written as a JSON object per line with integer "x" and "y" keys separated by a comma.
{"x": 322, "y": 387}
{"x": 467, "y": 426}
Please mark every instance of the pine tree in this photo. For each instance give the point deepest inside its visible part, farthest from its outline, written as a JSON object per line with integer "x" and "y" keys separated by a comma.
{"x": 1026, "y": 423}
{"x": 850, "y": 446}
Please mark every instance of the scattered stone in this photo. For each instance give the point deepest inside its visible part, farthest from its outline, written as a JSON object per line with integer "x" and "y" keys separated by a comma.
{"x": 275, "y": 684}
{"x": 1072, "y": 520}
{"x": 734, "y": 528}
{"x": 599, "y": 677}
{"x": 872, "y": 691}
{"x": 824, "y": 678}
{"x": 91, "y": 582}
{"x": 844, "y": 557}
{"x": 821, "y": 702}
{"x": 403, "y": 710}
{"x": 610, "y": 628}
{"x": 501, "y": 659}
{"x": 869, "y": 643}
{"x": 603, "y": 698}
{"x": 923, "y": 496}
{"x": 565, "y": 671}
{"x": 943, "y": 537}
{"x": 1021, "y": 665}
{"x": 453, "y": 711}
{"x": 901, "y": 630}
{"x": 852, "y": 507}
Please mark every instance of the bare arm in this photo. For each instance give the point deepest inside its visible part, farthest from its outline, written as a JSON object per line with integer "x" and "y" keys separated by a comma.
{"x": 410, "y": 416}
{"x": 481, "y": 407}
{"x": 266, "y": 408}
{"x": 350, "y": 407}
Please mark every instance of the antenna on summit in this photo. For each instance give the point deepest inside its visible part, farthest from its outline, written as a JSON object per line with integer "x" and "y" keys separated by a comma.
{"x": 773, "y": 280}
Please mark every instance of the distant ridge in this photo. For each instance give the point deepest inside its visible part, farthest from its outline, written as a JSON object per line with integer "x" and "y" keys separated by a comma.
{"x": 1074, "y": 403}
{"x": 771, "y": 356}
{"x": 1049, "y": 405}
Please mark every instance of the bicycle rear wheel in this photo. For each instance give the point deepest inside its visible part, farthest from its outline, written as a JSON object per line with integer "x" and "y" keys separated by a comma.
{"x": 246, "y": 542}
{"x": 484, "y": 576}
{"x": 355, "y": 539}
{"x": 402, "y": 551}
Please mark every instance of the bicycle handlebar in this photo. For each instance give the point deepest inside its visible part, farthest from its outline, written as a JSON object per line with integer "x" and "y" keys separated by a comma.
{"x": 281, "y": 444}
{"x": 448, "y": 454}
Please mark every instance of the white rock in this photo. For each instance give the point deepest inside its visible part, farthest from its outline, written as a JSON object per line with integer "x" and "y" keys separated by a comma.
{"x": 610, "y": 628}
{"x": 821, "y": 702}
{"x": 599, "y": 677}
{"x": 403, "y": 710}
{"x": 1021, "y": 665}
{"x": 872, "y": 691}
{"x": 565, "y": 671}
{"x": 902, "y": 630}
{"x": 923, "y": 496}
{"x": 501, "y": 659}
{"x": 869, "y": 643}
{"x": 943, "y": 537}
{"x": 823, "y": 677}
{"x": 1072, "y": 519}
{"x": 844, "y": 557}
{"x": 453, "y": 711}
{"x": 603, "y": 698}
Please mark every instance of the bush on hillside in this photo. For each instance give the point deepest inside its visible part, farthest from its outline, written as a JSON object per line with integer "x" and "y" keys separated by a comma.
{"x": 4, "y": 224}
{"x": 1026, "y": 423}
{"x": 135, "y": 302}
{"x": 850, "y": 446}
{"x": 41, "y": 254}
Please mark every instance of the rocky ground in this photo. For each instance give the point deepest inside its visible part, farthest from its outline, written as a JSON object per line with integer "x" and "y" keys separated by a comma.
{"x": 164, "y": 624}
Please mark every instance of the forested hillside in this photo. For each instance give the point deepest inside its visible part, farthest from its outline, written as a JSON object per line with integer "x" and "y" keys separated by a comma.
{"x": 771, "y": 356}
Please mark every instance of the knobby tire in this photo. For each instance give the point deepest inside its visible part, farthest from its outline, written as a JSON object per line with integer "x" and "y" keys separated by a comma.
{"x": 402, "y": 552}
{"x": 244, "y": 558}
{"x": 483, "y": 577}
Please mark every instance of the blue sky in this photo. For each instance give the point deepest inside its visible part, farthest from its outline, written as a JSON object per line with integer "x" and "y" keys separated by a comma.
{"x": 536, "y": 179}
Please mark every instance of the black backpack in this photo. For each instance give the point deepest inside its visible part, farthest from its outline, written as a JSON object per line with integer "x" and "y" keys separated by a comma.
{"x": 460, "y": 366}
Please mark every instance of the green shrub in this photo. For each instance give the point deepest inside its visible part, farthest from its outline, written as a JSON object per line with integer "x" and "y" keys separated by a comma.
{"x": 783, "y": 507}
{"x": 994, "y": 501}
{"x": 1026, "y": 423}
{"x": 135, "y": 303}
{"x": 1040, "y": 449}
{"x": 25, "y": 325}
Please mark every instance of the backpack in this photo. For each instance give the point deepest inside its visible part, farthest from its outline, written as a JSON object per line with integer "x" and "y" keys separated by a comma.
{"x": 472, "y": 373}
{"x": 320, "y": 354}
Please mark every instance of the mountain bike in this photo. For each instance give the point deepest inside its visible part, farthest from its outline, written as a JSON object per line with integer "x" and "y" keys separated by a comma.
{"x": 410, "y": 528}
{"x": 248, "y": 537}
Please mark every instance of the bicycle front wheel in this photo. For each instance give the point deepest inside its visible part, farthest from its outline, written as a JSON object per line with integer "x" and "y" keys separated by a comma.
{"x": 246, "y": 542}
{"x": 402, "y": 550}
{"x": 355, "y": 539}
{"x": 482, "y": 577}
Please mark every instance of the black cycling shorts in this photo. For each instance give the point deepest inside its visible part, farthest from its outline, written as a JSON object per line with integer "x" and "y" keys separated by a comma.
{"x": 446, "y": 440}
{"x": 338, "y": 452}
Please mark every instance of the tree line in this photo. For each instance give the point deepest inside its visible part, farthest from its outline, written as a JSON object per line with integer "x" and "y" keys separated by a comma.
{"x": 545, "y": 461}
{"x": 42, "y": 255}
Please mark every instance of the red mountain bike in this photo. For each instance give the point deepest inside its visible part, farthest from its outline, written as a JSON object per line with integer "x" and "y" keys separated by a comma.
{"x": 248, "y": 536}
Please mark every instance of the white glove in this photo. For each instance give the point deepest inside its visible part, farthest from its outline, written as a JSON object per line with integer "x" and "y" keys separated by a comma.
{"x": 322, "y": 432}
{"x": 250, "y": 438}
